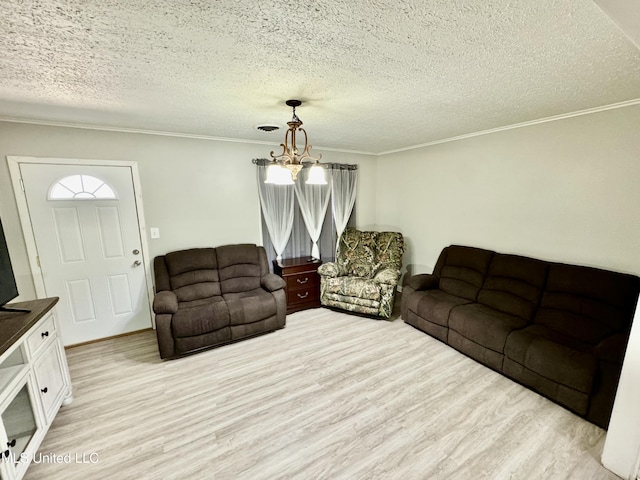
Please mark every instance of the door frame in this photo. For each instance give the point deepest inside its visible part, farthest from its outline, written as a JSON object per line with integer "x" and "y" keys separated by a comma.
{"x": 25, "y": 216}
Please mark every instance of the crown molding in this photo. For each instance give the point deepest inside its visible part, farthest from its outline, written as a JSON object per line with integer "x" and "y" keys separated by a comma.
{"x": 554, "y": 118}
{"x": 105, "y": 128}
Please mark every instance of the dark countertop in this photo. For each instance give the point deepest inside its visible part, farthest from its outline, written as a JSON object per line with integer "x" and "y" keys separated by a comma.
{"x": 14, "y": 324}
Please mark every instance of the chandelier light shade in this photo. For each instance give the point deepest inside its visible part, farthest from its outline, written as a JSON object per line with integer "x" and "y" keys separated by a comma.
{"x": 285, "y": 167}
{"x": 278, "y": 175}
{"x": 316, "y": 176}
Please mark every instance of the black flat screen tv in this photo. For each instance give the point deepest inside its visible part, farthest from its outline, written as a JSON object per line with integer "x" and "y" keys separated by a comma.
{"x": 8, "y": 287}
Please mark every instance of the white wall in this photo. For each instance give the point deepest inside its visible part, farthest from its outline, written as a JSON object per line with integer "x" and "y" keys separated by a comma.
{"x": 198, "y": 192}
{"x": 567, "y": 190}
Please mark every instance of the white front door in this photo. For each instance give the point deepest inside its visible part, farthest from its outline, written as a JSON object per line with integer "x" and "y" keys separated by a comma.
{"x": 86, "y": 231}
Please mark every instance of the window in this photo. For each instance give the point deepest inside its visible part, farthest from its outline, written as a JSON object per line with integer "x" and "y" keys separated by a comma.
{"x": 81, "y": 187}
{"x": 299, "y": 244}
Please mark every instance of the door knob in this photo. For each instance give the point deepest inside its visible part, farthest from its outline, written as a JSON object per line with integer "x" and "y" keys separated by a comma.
{"x": 137, "y": 263}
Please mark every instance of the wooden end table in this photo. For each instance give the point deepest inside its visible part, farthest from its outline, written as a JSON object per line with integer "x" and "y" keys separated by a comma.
{"x": 303, "y": 282}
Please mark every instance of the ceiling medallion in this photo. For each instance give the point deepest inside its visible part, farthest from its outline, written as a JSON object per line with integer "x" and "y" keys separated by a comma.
{"x": 285, "y": 167}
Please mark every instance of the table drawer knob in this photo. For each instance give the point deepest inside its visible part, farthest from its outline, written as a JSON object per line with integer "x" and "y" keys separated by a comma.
{"x": 45, "y": 334}
{"x": 302, "y": 282}
{"x": 300, "y": 296}
{"x": 44, "y": 390}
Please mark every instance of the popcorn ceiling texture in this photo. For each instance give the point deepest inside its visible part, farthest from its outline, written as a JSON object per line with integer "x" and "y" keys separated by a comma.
{"x": 374, "y": 75}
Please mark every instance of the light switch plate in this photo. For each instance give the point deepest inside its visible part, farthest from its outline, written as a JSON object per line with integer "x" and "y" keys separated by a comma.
{"x": 155, "y": 232}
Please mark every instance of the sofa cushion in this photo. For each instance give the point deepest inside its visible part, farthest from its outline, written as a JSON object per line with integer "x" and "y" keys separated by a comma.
{"x": 200, "y": 319}
{"x": 387, "y": 276}
{"x": 539, "y": 350}
{"x": 195, "y": 285}
{"x": 462, "y": 270}
{"x": 251, "y": 306}
{"x": 193, "y": 273}
{"x": 357, "y": 253}
{"x": 484, "y": 325}
{"x": 586, "y": 303}
{"x": 423, "y": 281}
{"x": 352, "y": 287}
{"x": 189, "y": 260}
{"x": 514, "y": 285}
{"x": 239, "y": 267}
{"x": 436, "y": 305}
{"x": 388, "y": 251}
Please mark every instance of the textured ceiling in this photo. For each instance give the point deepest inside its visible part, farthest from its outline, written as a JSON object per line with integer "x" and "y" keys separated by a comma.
{"x": 374, "y": 75}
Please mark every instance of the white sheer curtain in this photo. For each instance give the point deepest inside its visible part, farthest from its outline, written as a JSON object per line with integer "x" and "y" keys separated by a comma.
{"x": 343, "y": 196}
{"x": 277, "y": 208}
{"x": 313, "y": 201}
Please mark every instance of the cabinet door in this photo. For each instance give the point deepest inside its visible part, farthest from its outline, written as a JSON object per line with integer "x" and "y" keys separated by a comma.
{"x": 50, "y": 379}
{"x": 7, "y": 467}
{"x": 20, "y": 433}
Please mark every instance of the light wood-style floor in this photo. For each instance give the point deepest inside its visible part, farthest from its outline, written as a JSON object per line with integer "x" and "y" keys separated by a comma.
{"x": 332, "y": 396}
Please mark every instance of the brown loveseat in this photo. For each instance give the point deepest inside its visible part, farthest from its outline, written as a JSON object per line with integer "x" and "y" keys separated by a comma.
{"x": 558, "y": 329}
{"x": 211, "y": 296}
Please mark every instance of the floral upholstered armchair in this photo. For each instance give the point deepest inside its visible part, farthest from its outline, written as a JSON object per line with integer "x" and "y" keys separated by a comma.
{"x": 365, "y": 274}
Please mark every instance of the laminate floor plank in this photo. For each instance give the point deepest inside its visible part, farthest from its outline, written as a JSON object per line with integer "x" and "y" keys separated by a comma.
{"x": 331, "y": 396}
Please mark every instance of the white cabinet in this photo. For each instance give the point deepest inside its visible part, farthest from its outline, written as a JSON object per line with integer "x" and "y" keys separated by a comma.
{"x": 21, "y": 429}
{"x": 49, "y": 371}
{"x": 34, "y": 383}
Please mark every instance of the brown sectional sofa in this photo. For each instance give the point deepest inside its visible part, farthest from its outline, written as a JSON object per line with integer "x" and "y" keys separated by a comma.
{"x": 558, "y": 329}
{"x": 207, "y": 297}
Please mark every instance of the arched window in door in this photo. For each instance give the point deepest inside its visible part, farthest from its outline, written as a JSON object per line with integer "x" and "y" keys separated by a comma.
{"x": 81, "y": 187}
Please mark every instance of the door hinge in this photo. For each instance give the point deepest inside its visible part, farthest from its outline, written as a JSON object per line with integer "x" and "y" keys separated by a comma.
{"x": 38, "y": 260}
{"x": 21, "y": 184}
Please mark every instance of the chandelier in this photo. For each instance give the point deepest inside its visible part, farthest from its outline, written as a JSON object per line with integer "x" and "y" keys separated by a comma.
{"x": 285, "y": 167}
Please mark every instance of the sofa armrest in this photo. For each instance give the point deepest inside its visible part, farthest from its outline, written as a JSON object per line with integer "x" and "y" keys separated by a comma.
{"x": 388, "y": 276}
{"x": 611, "y": 349}
{"x": 272, "y": 282}
{"x": 165, "y": 302}
{"x": 329, "y": 269}
{"x": 424, "y": 281}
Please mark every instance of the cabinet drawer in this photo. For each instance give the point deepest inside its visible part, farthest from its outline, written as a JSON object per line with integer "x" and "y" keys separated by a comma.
{"x": 44, "y": 330}
{"x": 303, "y": 295}
{"x": 301, "y": 280}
